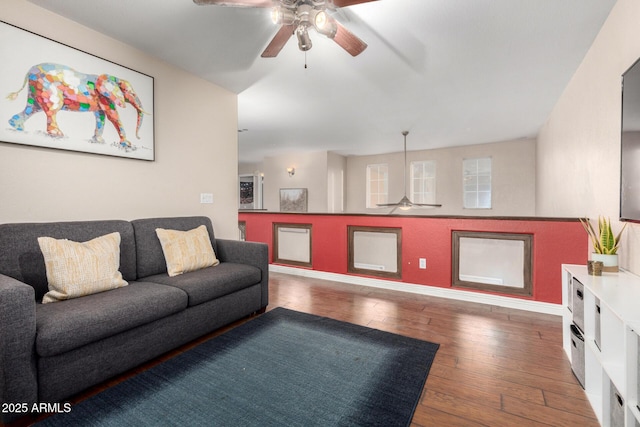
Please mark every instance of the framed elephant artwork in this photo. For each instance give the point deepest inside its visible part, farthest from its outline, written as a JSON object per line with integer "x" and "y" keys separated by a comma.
{"x": 55, "y": 96}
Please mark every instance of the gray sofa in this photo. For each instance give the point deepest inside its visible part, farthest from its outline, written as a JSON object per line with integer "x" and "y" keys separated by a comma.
{"x": 49, "y": 352}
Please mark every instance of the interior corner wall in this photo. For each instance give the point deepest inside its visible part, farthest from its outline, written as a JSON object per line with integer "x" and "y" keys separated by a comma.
{"x": 578, "y": 167}
{"x": 309, "y": 169}
{"x": 249, "y": 168}
{"x": 513, "y": 179}
{"x": 195, "y": 147}
{"x": 336, "y": 182}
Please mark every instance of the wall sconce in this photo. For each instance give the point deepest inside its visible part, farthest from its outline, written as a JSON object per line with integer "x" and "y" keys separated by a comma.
{"x": 291, "y": 171}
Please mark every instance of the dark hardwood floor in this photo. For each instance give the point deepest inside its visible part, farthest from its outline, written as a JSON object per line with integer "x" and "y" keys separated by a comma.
{"x": 495, "y": 366}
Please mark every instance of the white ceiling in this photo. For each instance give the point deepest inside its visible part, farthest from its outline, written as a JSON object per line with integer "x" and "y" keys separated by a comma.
{"x": 452, "y": 72}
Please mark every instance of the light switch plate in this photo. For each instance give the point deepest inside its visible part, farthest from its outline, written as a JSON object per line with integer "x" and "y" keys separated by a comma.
{"x": 206, "y": 198}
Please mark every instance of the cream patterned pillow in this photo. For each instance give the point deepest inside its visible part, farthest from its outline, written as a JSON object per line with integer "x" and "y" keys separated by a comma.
{"x": 186, "y": 250}
{"x": 77, "y": 269}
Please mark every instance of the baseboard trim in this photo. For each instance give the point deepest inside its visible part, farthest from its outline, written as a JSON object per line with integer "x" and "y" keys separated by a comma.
{"x": 457, "y": 294}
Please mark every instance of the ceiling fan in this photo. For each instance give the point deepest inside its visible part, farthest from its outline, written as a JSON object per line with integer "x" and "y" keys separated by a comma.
{"x": 404, "y": 203}
{"x": 298, "y": 16}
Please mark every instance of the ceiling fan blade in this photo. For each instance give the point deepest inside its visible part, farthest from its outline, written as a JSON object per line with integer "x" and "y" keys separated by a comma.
{"x": 236, "y": 3}
{"x": 345, "y": 3}
{"x": 433, "y": 205}
{"x": 279, "y": 40}
{"x": 348, "y": 41}
{"x": 385, "y": 205}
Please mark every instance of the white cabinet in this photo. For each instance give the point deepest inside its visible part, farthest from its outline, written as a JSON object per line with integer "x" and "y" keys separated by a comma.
{"x": 611, "y": 328}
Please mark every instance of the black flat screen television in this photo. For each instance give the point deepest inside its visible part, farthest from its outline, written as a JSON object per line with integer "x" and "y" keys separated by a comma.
{"x": 630, "y": 146}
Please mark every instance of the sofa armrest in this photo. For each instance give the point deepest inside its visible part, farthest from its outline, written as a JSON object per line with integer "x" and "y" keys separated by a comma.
{"x": 251, "y": 253}
{"x": 18, "y": 375}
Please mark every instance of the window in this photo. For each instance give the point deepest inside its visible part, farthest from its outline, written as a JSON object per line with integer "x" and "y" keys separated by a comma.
{"x": 377, "y": 184}
{"x": 476, "y": 183}
{"x": 423, "y": 182}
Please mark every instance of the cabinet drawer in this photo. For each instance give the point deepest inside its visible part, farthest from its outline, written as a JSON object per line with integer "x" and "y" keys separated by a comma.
{"x": 616, "y": 405}
{"x": 598, "y": 328}
{"x": 578, "y": 303}
{"x": 577, "y": 354}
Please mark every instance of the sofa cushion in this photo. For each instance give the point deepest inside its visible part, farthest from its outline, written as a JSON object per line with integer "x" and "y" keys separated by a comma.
{"x": 76, "y": 269}
{"x": 149, "y": 251}
{"x": 70, "y": 324}
{"x": 186, "y": 251}
{"x": 21, "y": 257}
{"x": 213, "y": 282}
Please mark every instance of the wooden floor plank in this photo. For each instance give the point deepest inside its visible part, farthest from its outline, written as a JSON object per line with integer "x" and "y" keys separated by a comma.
{"x": 567, "y": 404}
{"x": 546, "y": 414}
{"x": 475, "y": 412}
{"x": 430, "y": 417}
{"x": 487, "y": 396}
{"x": 485, "y": 381}
{"x": 527, "y": 364}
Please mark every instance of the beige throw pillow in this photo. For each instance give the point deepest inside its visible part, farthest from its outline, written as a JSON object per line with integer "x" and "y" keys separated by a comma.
{"x": 186, "y": 250}
{"x": 77, "y": 269}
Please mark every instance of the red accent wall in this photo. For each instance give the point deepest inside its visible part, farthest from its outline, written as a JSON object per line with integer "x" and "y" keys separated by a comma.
{"x": 555, "y": 242}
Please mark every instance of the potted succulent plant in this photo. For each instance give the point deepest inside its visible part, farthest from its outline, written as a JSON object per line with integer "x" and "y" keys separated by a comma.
{"x": 605, "y": 243}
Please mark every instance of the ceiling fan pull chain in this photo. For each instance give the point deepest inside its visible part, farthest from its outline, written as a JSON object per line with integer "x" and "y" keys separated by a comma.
{"x": 305, "y": 59}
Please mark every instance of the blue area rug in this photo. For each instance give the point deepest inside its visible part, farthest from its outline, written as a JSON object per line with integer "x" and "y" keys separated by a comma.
{"x": 283, "y": 368}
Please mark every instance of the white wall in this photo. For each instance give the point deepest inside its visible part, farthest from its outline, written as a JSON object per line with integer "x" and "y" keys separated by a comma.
{"x": 249, "y": 168}
{"x": 321, "y": 173}
{"x": 578, "y": 168}
{"x": 311, "y": 173}
{"x": 513, "y": 179}
{"x": 195, "y": 147}
{"x": 336, "y": 182}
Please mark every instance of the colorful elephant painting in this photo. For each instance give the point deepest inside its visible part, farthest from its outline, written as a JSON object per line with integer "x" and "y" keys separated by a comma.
{"x": 55, "y": 87}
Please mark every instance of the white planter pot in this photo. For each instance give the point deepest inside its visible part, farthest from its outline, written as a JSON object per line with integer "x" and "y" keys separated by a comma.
{"x": 610, "y": 262}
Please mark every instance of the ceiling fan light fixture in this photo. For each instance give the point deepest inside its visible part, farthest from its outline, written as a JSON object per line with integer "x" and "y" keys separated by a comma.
{"x": 282, "y": 16}
{"x": 304, "y": 41}
{"x": 321, "y": 19}
{"x": 325, "y": 24}
{"x": 404, "y": 204}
